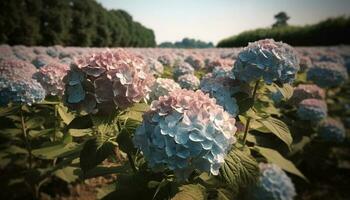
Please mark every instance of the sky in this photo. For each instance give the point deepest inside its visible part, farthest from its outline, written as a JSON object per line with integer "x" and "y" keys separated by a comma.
{"x": 213, "y": 20}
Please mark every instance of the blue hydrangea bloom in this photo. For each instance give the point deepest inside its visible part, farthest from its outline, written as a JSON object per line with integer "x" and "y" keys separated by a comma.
{"x": 327, "y": 74}
{"x": 221, "y": 89}
{"x": 16, "y": 83}
{"x": 185, "y": 131}
{"x": 272, "y": 61}
{"x": 312, "y": 109}
{"x": 331, "y": 130}
{"x": 274, "y": 184}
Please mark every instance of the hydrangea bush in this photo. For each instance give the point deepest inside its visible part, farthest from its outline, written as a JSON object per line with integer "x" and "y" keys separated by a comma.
{"x": 51, "y": 78}
{"x": 306, "y": 91}
{"x": 331, "y": 130}
{"x": 16, "y": 83}
{"x": 273, "y": 184}
{"x": 107, "y": 80}
{"x": 162, "y": 87}
{"x": 185, "y": 131}
{"x": 188, "y": 81}
{"x": 327, "y": 74}
{"x": 182, "y": 68}
{"x": 272, "y": 61}
{"x": 312, "y": 109}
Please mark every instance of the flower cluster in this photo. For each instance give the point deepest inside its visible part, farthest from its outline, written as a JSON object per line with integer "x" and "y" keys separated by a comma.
{"x": 16, "y": 83}
{"x": 162, "y": 87}
{"x": 221, "y": 89}
{"x": 273, "y": 184}
{"x": 41, "y": 61}
{"x": 305, "y": 63}
{"x": 195, "y": 61}
{"x": 331, "y": 130}
{"x": 327, "y": 74}
{"x": 105, "y": 80}
{"x": 185, "y": 131}
{"x": 50, "y": 77}
{"x": 154, "y": 67}
{"x": 312, "y": 109}
{"x": 222, "y": 71}
{"x": 188, "y": 81}
{"x": 306, "y": 91}
{"x": 272, "y": 61}
{"x": 182, "y": 68}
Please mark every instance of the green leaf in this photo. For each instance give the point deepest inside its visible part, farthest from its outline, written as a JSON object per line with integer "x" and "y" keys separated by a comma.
{"x": 80, "y": 132}
{"x": 135, "y": 112}
{"x": 7, "y": 110}
{"x": 102, "y": 171}
{"x": 286, "y": 91}
{"x": 279, "y": 128}
{"x": 67, "y": 174}
{"x": 94, "y": 152}
{"x": 56, "y": 150}
{"x": 239, "y": 169}
{"x": 245, "y": 104}
{"x": 190, "y": 192}
{"x": 275, "y": 157}
{"x": 39, "y": 133}
{"x": 224, "y": 194}
{"x": 35, "y": 122}
{"x": 66, "y": 116}
{"x": 11, "y": 132}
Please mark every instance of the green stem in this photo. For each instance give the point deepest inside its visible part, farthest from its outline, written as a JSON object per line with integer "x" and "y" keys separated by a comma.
{"x": 55, "y": 125}
{"x": 132, "y": 164}
{"x": 249, "y": 118}
{"x": 26, "y": 140}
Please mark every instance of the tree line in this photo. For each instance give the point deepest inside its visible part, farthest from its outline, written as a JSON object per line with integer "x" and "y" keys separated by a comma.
{"x": 187, "y": 43}
{"x": 69, "y": 23}
{"x": 333, "y": 31}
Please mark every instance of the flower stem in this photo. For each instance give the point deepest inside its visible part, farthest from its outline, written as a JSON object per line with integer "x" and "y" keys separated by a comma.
{"x": 26, "y": 140}
{"x": 249, "y": 118}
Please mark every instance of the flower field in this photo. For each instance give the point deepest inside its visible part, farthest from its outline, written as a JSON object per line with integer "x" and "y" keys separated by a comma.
{"x": 267, "y": 121}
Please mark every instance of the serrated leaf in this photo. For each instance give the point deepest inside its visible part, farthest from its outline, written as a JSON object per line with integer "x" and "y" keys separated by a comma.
{"x": 224, "y": 194}
{"x": 239, "y": 169}
{"x": 275, "y": 157}
{"x": 66, "y": 116}
{"x": 286, "y": 91}
{"x": 191, "y": 192}
{"x": 80, "y": 132}
{"x": 278, "y": 128}
{"x": 67, "y": 174}
{"x": 94, "y": 152}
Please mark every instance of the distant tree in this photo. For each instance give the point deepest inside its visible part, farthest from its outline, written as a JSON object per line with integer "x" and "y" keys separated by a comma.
{"x": 186, "y": 43}
{"x": 281, "y": 19}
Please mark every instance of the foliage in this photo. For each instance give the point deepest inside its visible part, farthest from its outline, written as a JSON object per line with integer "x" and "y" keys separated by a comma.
{"x": 69, "y": 22}
{"x": 186, "y": 43}
{"x": 336, "y": 30}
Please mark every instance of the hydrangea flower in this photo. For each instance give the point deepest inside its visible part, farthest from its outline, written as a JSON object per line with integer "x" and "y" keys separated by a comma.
{"x": 16, "y": 83}
{"x": 185, "y": 131}
{"x": 223, "y": 72}
{"x": 306, "y": 91}
{"x": 106, "y": 80}
{"x": 162, "y": 87}
{"x": 210, "y": 64}
{"x": 154, "y": 67}
{"x": 331, "y": 130}
{"x": 166, "y": 60}
{"x": 182, "y": 68}
{"x": 327, "y": 74}
{"x": 272, "y": 61}
{"x": 305, "y": 63}
{"x": 274, "y": 184}
{"x": 188, "y": 81}
{"x": 195, "y": 61}
{"x": 51, "y": 78}
{"x": 41, "y": 61}
{"x": 312, "y": 109}
{"x": 221, "y": 89}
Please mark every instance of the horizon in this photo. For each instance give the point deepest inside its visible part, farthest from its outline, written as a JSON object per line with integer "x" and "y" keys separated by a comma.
{"x": 212, "y": 21}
